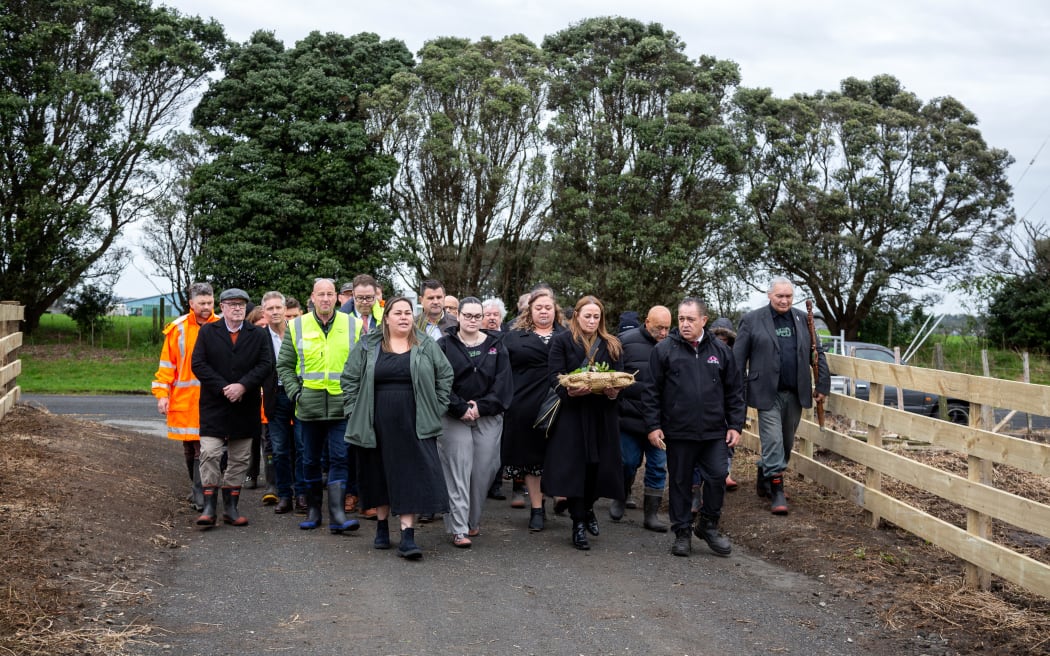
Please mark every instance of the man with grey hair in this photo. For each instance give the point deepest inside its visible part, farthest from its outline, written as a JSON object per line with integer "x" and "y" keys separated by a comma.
{"x": 492, "y": 312}
{"x": 773, "y": 350}
{"x": 177, "y": 389}
{"x": 232, "y": 359}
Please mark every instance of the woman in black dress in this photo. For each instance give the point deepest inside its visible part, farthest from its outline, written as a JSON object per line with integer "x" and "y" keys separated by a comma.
{"x": 395, "y": 390}
{"x": 528, "y": 343}
{"x": 583, "y": 453}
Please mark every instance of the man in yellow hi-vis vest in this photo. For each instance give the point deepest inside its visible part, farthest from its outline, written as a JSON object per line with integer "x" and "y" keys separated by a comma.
{"x": 309, "y": 364}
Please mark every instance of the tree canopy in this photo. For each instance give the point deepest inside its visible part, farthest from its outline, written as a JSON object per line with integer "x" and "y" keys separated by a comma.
{"x": 87, "y": 88}
{"x": 465, "y": 127}
{"x": 644, "y": 165}
{"x": 290, "y": 193}
{"x": 868, "y": 192}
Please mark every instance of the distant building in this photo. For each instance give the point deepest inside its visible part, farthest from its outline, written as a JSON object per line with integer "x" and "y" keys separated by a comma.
{"x": 139, "y": 307}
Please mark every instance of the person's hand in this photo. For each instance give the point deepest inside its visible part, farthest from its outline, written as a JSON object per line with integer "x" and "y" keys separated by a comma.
{"x": 578, "y": 391}
{"x": 162, "y": 405}
{"x": 656, "y": 438}
{"x": 233, "y": 392}
{"x": 818, "y": 397}
{"x": 732, "y": 437}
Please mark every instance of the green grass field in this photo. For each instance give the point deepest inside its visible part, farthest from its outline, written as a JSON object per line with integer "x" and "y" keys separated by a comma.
{"x": 120, "y": 359}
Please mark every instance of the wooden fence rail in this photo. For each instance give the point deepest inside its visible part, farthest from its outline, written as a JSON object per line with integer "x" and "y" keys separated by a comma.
{"x": 973, "y": 492}
{"x": 10, "y": 365}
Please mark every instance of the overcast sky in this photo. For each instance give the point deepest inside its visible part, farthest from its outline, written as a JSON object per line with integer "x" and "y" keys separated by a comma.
{"x": 992, "y": 56}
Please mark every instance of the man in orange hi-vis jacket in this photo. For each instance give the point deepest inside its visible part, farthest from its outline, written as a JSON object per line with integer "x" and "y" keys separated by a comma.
{"x": 177, "y": 389}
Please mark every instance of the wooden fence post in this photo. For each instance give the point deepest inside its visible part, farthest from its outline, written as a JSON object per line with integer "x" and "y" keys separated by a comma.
{"x": 938, "y": 363}
{"x": 873, "y": 477}
{"x": 979, "y": 470}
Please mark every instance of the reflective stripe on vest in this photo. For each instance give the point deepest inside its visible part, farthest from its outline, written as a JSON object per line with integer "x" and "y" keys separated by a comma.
{"x": 329, "y": 378}
{"x": 182, "y": 430}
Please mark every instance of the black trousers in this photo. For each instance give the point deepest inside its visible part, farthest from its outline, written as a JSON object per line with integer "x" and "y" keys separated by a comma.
{"x": 682, "y": 456}
{"x": 579, "y": 507}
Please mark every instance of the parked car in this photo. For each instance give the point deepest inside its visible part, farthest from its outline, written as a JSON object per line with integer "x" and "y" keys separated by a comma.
{"x": 923, "y": 403}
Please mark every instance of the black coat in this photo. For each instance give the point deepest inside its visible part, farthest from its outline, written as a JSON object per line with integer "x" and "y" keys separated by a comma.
{"x": 637, "y": 346}
{"x": 218, "y": 362}
{"x": 522, "y": 445}
{"x": 694, "y": 394}
{"x": 586, "y": 430}
{"x": 485, "y": 379}
{"x": 757, "y": 351}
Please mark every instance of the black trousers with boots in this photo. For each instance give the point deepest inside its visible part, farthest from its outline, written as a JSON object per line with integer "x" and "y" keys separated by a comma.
{"x": 711, "y": 457}
{"x": 579, "y": 507}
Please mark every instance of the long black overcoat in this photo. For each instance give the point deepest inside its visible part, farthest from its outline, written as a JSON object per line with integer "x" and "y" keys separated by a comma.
{"x": 218, "y": 362}
{"x": 522, "y": 445}
{"x": 586, "y": 431}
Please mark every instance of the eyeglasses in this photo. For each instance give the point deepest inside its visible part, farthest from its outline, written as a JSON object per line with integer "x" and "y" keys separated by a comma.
{"x": 470, "y": 317}
{"x": 364, "y": 299}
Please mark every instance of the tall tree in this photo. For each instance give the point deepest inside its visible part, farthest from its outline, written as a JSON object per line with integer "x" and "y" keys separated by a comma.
{"x": 644, "y": 165}
{"x": 291, "y": 191}
{"x": 868, "y": 192}
{"x": 1019, "y": 293}
{"x": 465, "y": 126}
{"x": 171, "y": 240}
{"x": 87, "y": 88}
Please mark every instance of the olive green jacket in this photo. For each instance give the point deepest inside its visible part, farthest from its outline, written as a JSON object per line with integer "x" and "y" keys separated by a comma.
{"x": 431, "y": 381}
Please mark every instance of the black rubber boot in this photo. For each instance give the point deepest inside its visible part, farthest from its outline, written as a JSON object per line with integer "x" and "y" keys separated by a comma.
{"x": 197, "y": 495}
{"x": 230, "y": 497}
{"x": 207, "y": 518}
{"x": 269, "y": 496}
{"x": 408, "y": 547}
{"x": 617, "y": 507}
{"x": 707, "y": 530}
{"x": 537, "y": 518}
{"x": 382, "y": 540}
{"x": 682, "y": 542}
{"x": 579, "y": 536}
{"x": 651, "y": 508}
{"x": 337, "y": 521}
{"x": 630, "y": 502}
{"x": 778, "y": 502}
{"x": 761, "y": 483}
{"x": 313, "y": 507}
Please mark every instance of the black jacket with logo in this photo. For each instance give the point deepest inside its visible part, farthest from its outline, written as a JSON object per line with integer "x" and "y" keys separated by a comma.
{"x": 693, "y": 393}
{"x": 486, "y": 378}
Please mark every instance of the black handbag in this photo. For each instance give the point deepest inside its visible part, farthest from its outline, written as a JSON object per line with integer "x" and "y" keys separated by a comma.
{"x": 549, "y": 408}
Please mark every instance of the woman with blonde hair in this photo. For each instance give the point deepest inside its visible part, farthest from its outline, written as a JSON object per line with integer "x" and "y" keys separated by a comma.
{"x": 523, "y": 447}
{"x": 583, "y": 459}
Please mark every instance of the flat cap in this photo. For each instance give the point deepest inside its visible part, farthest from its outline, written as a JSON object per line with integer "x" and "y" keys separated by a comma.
{"x": 234, "y": 294}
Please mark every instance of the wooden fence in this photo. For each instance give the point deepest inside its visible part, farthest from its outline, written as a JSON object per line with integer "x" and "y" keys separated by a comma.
{"x": 975, "y": 492}
{"x": 10, "y": 366}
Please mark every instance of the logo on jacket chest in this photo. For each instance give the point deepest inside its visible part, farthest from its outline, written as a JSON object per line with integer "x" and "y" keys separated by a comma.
{"x": 713, "y": 360}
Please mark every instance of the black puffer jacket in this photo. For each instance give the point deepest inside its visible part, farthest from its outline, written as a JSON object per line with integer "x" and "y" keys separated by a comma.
{"x": 637, "y": 347}
{"x": 694, "y": 394}
{"x": 485, "y": 378}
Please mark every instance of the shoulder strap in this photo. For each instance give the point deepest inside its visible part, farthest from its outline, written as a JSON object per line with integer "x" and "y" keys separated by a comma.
{"x": 591, "y": 353}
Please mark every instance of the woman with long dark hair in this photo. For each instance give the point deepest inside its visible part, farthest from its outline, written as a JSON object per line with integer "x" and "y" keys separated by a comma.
{"x": 396, "y": 387}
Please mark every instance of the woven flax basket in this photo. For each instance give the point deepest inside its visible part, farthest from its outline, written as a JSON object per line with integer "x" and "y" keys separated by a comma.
{"x": 597, "y": 381}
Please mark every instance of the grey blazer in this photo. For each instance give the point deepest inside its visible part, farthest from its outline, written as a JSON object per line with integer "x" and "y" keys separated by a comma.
{"x": 757, "y": 352}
